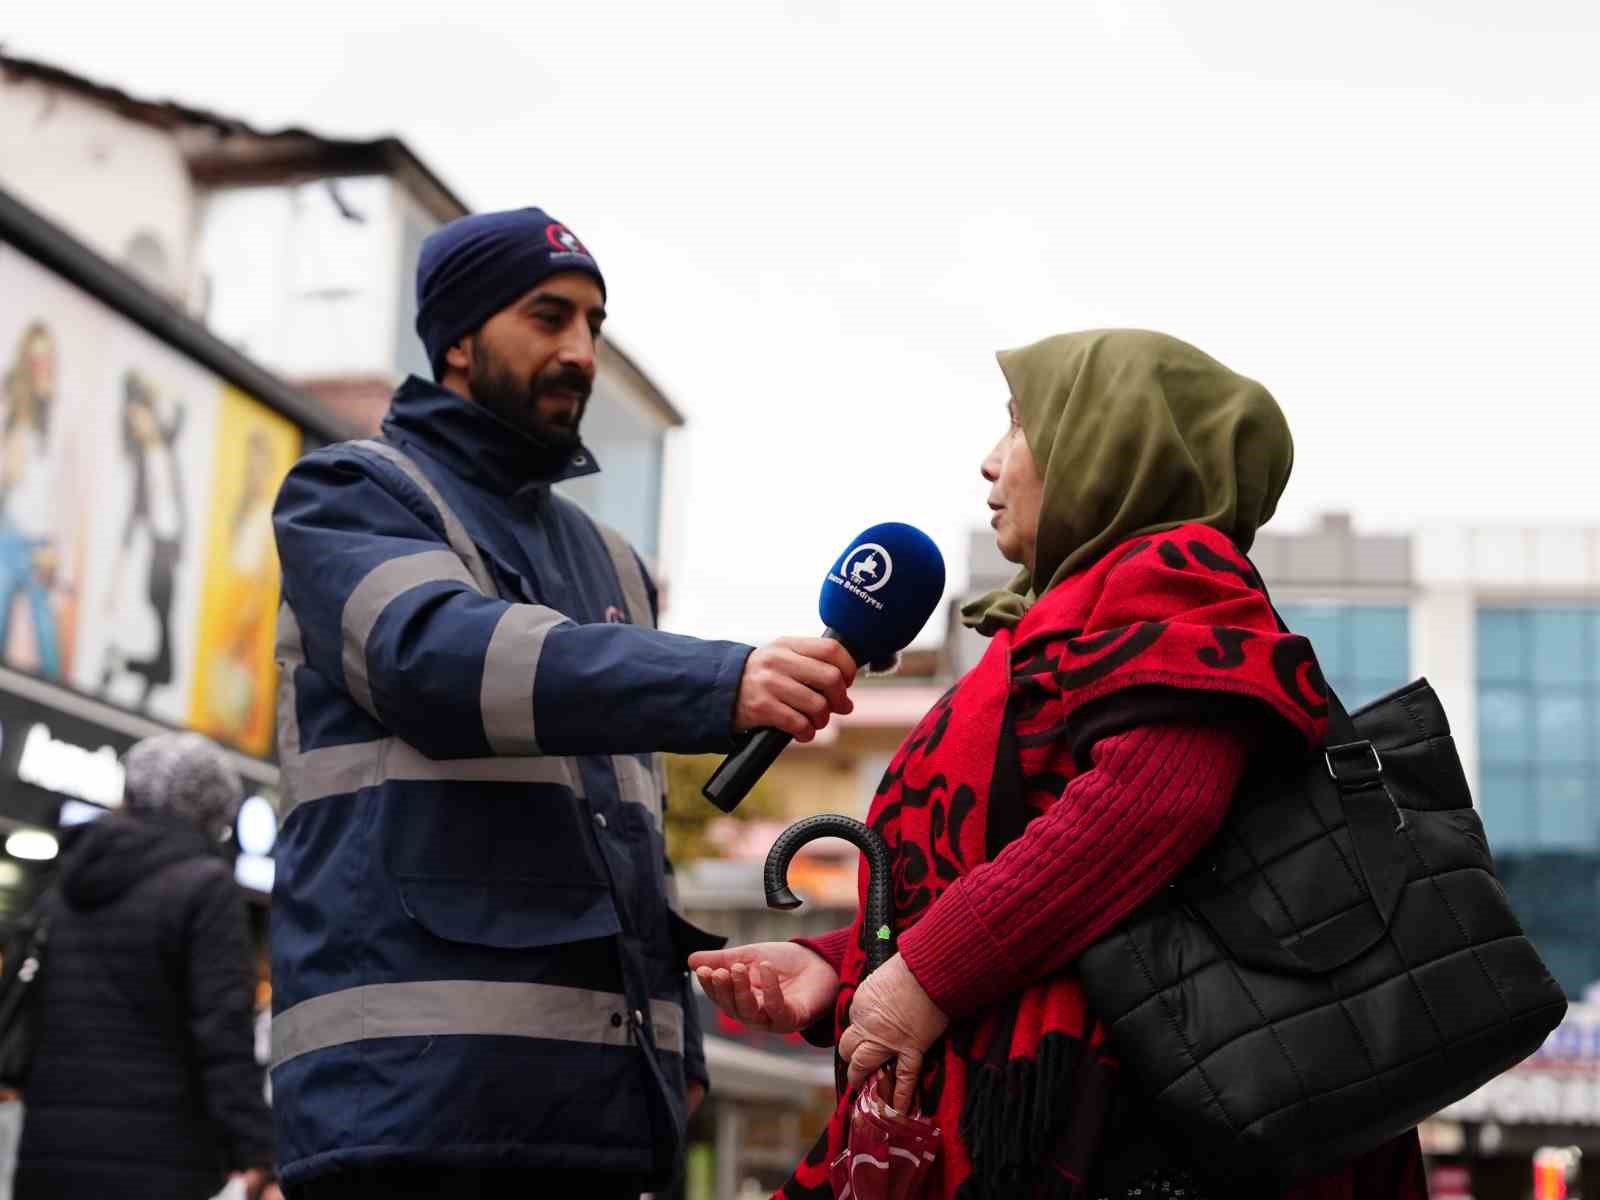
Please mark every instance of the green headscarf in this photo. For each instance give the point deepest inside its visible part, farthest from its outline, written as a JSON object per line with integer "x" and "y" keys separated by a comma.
{"x": 1135, "y": 432}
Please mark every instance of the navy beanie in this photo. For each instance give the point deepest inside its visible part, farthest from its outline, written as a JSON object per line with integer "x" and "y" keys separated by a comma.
{"x": 473, "y": 267}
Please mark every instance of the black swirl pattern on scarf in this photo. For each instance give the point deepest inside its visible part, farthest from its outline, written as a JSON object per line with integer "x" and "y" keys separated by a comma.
{"x": 1300, "y": 675}
{"x": 1083, "y": 663}
{"x": 1228, "y": 655}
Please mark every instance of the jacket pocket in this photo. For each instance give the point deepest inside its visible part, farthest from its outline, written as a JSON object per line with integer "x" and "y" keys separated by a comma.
{"x": 509, "y": 915}
{"x": 507, "y": 835}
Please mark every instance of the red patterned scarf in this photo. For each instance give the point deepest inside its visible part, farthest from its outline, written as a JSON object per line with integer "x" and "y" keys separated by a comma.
{"x": 1174, "y": 626}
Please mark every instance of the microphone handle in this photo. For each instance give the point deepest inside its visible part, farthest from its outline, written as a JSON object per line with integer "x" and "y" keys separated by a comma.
{"x": 732, "y": 780}
{"x": 737, "y": 774}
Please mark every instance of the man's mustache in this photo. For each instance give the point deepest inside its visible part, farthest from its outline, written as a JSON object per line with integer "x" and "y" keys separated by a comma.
{"x": 569, "y": 379}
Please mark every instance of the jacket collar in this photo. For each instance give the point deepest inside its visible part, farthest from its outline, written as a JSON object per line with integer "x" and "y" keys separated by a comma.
{"x": 476, "y": 444}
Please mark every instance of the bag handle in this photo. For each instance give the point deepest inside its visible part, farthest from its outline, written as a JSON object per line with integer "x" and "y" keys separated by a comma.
{"x": 1370, "y": 814}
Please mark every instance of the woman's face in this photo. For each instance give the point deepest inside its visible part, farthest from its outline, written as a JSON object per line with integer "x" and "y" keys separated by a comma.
{"x": 143, "y": 423}
{"x": 1015, "y": 492}
{"x": 41, "y": 359}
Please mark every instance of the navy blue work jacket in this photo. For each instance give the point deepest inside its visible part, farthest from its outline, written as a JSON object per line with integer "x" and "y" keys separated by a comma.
{"x": 475, "y": 960}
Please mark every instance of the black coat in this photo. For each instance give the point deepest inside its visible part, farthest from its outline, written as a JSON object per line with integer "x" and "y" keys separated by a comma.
{"x": 144, "y": 1083}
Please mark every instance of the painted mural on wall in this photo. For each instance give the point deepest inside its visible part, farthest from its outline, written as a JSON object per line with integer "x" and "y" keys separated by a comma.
{"x": 234, "y": 674}
{"x": 136, "y": 557}
{"x": 42, "y": 517}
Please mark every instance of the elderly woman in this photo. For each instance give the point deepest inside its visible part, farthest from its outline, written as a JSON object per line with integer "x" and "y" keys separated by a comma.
{"x": 144, "y": 1083}
{"x": 1065, "y": 780}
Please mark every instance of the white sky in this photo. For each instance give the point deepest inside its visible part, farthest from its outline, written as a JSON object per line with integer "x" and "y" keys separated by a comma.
{"x": 819, "y": 220}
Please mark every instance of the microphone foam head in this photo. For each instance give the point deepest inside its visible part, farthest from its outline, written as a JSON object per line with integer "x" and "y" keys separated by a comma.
{"x": 882, "y": 590}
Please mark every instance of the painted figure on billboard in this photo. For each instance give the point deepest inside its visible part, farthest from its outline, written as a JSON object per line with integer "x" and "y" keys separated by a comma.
{"x": 30, "y": 561}
{"x": 157, "y": 514}
{"x": 253, "y": 566}
{"x": 235, "y": 677}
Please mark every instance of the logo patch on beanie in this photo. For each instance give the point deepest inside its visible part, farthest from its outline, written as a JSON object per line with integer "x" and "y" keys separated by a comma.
{"x": 564, "y": 241}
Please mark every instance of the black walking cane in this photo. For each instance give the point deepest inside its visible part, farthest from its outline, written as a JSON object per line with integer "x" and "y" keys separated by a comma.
{"x": 880, "y": 885}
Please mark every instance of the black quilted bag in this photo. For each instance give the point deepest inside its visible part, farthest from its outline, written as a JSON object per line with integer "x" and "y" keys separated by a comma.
{"x": 1338, "y": 965}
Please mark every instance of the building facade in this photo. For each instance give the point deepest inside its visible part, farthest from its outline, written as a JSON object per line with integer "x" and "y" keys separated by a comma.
{"x": 297, "y": 250}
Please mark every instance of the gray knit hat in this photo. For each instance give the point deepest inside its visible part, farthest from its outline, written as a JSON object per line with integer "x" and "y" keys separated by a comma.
{"x": 186, "y": 775}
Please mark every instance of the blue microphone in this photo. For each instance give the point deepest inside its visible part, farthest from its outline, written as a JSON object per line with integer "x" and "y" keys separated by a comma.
{"x": 875, "y": 599}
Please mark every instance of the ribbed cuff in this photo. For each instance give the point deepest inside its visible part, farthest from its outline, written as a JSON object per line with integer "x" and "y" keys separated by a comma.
{"x": 955, "y": 958}
{"x": 828, "y": 946}
{"x": 831, "y": 947}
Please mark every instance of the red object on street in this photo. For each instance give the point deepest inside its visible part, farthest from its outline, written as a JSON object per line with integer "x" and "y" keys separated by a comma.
{"x": 888, "y": 1155}
{"x": 1450, "y": 1183}
{"x": 1554, "y": 1168}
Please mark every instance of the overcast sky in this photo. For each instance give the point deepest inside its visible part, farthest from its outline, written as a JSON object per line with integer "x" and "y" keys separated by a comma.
{"x": 819, "y": 220}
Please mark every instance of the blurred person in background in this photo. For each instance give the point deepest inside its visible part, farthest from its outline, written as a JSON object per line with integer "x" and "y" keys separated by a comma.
{"x": 144, "y": 1084}
{"x": 479, "y": 986}
{"x": 1135, "y": 653}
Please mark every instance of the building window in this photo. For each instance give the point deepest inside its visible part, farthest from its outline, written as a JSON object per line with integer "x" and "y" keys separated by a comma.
{"x": 1364, "y": 649}
{"x": 1539, "y": 756}
{"x": 1539, "y": 727}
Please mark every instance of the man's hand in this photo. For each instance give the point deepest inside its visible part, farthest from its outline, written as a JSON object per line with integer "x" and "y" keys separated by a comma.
{"x": 776, "y": 986}
{"x": 695, "y": 1093}
{"x": 891, "y": 1017}
{"x": 794, "y": 684}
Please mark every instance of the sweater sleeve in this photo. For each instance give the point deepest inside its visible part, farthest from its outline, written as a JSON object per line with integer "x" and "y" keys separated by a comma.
{"x": 1151, "y": 800}
{"x": 831, "y": 947}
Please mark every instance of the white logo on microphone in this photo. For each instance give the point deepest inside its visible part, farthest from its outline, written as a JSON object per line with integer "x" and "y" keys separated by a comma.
{"x": 868, "y": 566}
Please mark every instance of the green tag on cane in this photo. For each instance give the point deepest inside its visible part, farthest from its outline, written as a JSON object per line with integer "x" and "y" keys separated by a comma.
{"x": 883, "y": 933}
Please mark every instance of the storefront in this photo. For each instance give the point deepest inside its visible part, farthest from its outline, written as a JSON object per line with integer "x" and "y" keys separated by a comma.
{"x": 138, "y": 581}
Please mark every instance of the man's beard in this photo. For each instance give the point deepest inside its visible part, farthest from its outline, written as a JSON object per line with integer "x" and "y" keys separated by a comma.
{"x": 516, "y": 401}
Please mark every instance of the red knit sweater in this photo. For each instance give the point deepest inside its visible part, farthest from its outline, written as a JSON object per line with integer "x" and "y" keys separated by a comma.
{"x": 1117, "y": 834}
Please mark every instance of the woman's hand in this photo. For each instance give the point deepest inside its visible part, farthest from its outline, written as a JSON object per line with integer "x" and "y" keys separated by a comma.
{"x": 891, "y": 1017}
{"x": 777, "y": 986}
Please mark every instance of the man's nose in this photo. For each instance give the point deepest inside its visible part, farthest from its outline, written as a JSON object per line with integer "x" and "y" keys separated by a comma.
{"x": 578, "y": 349}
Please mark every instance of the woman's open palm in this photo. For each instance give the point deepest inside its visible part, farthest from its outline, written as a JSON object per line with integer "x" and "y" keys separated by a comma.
{"x": 777, "y": 986}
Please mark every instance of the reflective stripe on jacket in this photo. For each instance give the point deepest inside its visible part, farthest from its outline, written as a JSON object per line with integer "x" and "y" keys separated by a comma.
{"x": 474, "y": 958}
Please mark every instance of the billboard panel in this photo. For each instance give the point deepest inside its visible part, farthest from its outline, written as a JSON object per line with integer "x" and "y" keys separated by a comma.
{"x": 136, "y": 557}
{"x": 234, "y": 674}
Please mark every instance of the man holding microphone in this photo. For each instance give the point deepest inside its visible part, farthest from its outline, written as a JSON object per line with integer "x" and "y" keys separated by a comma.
{"x": 479, "y": 982}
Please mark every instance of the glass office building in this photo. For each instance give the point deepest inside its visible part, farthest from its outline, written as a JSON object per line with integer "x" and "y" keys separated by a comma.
{"x": 1538, "y": 687}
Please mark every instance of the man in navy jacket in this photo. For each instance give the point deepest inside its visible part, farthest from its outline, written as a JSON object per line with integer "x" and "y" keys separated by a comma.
{"x": 479, "y": 983}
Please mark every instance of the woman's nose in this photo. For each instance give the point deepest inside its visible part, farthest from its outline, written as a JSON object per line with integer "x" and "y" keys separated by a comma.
{"x": 989, "y": 468}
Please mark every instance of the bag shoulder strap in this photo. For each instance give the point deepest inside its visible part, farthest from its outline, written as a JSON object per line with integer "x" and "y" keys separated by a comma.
{"x": 455, "y": 532}
{"x": 26, "y": 959}
{"x": 1375, "y": 823}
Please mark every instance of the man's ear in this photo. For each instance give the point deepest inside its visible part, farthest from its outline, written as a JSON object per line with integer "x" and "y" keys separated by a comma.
{"x": 459, "y": 356}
